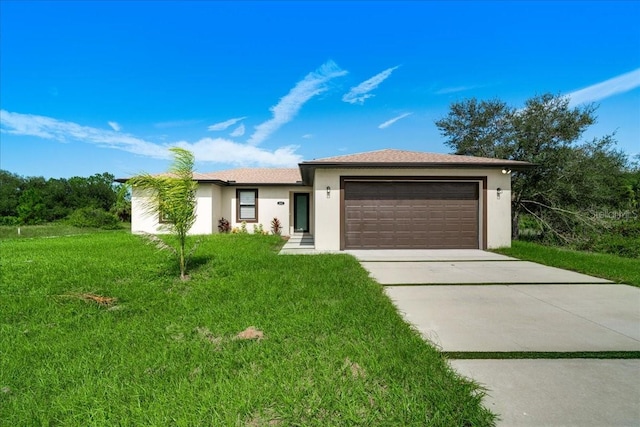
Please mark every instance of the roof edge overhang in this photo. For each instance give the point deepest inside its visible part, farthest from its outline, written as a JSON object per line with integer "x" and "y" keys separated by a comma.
{"x": 208, "y": 181}
{"x": 256, "y": 184}
{"x": 223, "y": 183}
{"x": 307, "y": 169}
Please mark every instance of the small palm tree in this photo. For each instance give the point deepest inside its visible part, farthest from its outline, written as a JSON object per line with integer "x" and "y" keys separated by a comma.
{"x": 173, "y": 198}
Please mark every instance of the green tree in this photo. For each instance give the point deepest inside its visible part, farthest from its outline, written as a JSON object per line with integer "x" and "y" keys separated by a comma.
{"x": 479, "y": 128}
{"x": 95, "y": 191}
{"x": 569, "y": 176}
{"x": 60, "y": 196}
{"x": 31, "y": 208}
{"x": 632, "y": 186}
{"x": 11, "y": 186}
{"x": 173, "y": 196}
{"x": 122, "y": 206}
{"x": 57, "y": 198}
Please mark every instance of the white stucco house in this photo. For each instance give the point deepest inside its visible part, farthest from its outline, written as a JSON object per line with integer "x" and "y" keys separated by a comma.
{"x": 387, "y": 199}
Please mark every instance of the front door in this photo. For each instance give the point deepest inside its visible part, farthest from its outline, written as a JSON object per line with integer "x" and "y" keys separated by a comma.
{"x": 301, "y": 212}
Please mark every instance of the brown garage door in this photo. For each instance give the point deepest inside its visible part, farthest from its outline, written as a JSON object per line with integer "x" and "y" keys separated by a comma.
{"x": 410, "y": 215}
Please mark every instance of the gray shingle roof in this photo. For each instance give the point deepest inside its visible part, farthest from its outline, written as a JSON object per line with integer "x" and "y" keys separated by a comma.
{"x": 253, "y": 176}
{"x": 388, "y": 158}
{"x": 407, "y": 157}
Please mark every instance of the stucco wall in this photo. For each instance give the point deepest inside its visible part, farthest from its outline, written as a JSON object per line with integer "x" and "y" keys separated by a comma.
{"x": 205, "y": 202}
{"x": 268, "y": 207}
{"x": 327, "y": 207}
{"x": 498, "y": 210}
{"x": 216, "y": 210}
{"x": 207, "y": 198}
{"x": 141, "y": 220}
{"x": 214, "y": 202}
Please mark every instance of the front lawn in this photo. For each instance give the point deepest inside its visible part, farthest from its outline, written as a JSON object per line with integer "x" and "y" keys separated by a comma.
{"x": 98, "y": 330}
{"x": 606, "y": 266}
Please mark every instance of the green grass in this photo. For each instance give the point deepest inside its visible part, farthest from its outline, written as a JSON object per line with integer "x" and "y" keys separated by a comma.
{"x": 335, "y": 352}
{"x": 607, "y": 266}
{"x": 52, "y": 229}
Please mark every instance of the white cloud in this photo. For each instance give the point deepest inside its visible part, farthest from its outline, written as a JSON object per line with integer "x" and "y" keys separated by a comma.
{"x": 392, "y": 121}
{"x": 115, "y": 126}
{"x": 239, "y": 131}
{"x": 455, "y": 89}
{"x": 220, "y": 150}
{"x": 358, "y": 94}
{"x": 620, "y": 84}
{"x": 284, "y": 111}
{"x": 225, "y": 124}
{"x": 206, "y": 150}
{"x": 26, "y": 124}
{"x": 49, "y": 128}
{"x": 307, "y": 136}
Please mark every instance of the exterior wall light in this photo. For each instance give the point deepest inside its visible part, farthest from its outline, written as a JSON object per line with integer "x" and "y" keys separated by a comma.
{"x": 506, "y": 171}
{"x": 328, "y": 192}
{"x": 498, "y": 192}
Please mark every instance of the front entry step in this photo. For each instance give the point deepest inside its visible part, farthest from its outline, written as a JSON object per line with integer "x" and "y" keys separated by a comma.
{"x": 298, "y": 244}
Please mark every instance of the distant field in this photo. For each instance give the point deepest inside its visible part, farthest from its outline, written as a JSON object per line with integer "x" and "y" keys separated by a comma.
{"x": 97, "y": 330}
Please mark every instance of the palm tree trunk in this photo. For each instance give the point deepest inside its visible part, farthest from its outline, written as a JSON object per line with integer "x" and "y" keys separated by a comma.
{"x": 183, "y": 267}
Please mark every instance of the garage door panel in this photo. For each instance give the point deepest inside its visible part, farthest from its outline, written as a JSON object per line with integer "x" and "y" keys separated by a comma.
{"x": 385, "y": 214}
{"x": 411, "y": 215}
{"x": 380, "y": 228}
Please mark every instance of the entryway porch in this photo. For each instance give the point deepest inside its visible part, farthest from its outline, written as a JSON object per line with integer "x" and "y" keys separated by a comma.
{"x": 299, "y": 244}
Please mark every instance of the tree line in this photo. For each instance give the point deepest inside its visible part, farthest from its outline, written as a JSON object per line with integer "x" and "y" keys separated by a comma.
{"x": 35, "y": 200}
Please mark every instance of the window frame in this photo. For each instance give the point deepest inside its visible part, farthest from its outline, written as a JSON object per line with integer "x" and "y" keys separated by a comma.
{"x": 164, "y": 218}
{"x": 239, "y": 205}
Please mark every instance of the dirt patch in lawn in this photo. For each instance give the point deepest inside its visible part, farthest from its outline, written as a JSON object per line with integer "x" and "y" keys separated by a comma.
{"x": 251, "y": 333}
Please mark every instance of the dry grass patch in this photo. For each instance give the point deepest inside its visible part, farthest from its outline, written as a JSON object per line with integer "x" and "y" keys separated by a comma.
{"x": 251, "y": 333}
{"x": 209, "y": 336}
{"x": 267, "y": 419}
{"x": 354, "y": 369}
{"x": 101, "y": 300}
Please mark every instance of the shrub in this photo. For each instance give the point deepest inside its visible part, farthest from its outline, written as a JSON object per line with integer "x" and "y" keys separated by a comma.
{"x": 628, "y": 247}
{"x": 529, "y": 229}
{"x": 9, "y": 220}
{"x": 224, "y": 226}
{"x": 94, "y": 218}
{"x": 629, "y": 228}
{"x": 259, "y": 229}
{"x": 276, "y": 226}
{"x": 617, "y": 237}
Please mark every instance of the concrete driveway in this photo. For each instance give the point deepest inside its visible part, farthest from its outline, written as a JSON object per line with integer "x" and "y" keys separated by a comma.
{"x": 475, "y": 301}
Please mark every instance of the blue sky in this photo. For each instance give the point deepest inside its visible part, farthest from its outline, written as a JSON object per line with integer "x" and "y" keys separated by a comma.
{"x": 92, "y": 87}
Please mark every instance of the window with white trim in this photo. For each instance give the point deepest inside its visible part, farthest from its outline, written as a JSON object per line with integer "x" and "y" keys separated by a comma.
{"x": 247, "y": 209}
